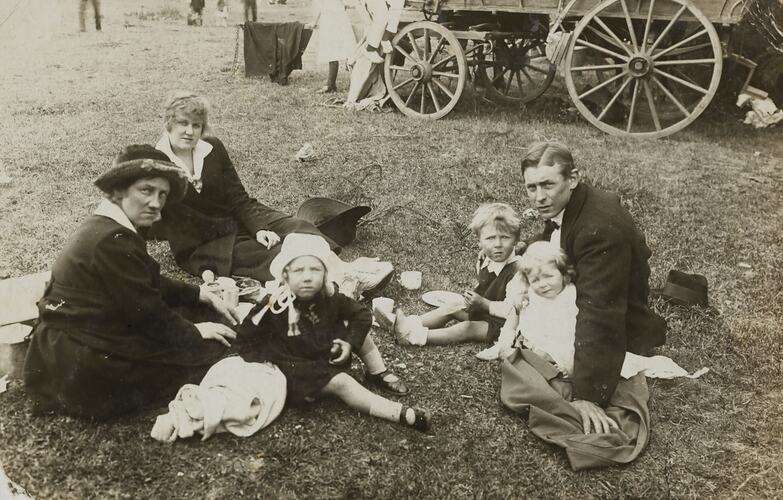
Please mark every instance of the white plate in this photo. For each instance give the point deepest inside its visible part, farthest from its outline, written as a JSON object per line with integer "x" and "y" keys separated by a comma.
{"x": 440, "y": 298}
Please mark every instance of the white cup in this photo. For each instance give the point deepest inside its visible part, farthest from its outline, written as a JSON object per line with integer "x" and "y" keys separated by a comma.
{"x": 384, "y": 304}
{"x": 410, "y": 280}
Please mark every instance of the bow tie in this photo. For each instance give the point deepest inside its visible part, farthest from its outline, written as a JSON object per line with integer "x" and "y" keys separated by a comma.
{"x": 549, "y": 227}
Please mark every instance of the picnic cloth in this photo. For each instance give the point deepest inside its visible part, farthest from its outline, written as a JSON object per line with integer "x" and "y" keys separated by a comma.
{"x": 531, "y": 385}
{"x": 235, "y": 396}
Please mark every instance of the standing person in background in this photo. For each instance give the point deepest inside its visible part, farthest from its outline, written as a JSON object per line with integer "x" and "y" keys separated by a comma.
{"x": 96, "y": 7}
{"x": 336, "y": 42}
{"x": 196, "y": 10}
{"x": 251, "y": 11}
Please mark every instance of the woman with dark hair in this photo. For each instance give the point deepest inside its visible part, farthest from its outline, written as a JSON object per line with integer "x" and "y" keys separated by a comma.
{"x": 108, "y": 340}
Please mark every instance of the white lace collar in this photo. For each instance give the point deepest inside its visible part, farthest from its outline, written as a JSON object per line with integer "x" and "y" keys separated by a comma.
{"x": 202, "y": 149}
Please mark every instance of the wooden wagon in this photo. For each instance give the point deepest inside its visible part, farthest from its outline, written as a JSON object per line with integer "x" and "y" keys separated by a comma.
{"x": 641, "y": 68}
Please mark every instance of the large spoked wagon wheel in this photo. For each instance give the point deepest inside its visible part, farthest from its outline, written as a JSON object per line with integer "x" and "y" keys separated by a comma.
{"x": 515, "y": 71}
{"x": 659, "y": 66}
{"x": 426, "y": 71}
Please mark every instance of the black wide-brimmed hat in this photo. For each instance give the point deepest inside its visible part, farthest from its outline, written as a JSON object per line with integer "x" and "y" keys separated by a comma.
{"x": 139, "y": 161}
{"x": 335, "y": 219}
{"x": 684, "y": 289}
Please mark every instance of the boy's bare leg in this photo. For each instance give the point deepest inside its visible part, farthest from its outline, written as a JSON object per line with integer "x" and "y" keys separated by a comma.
{"x": 459, "y": 333}
{"x": 438, "y": 318}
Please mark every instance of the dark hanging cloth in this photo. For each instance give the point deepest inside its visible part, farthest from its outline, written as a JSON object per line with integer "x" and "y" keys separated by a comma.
{"x": 274, "y": 49}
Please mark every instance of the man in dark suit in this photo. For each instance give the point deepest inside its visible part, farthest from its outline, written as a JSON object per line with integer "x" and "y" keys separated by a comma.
{"x": 610, "y": 256}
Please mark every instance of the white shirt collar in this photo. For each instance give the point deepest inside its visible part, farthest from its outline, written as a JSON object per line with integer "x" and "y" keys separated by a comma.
{"x": 558, "y": 219}
{"x": 496, "y": 267}
{"x": 202, "y": 149}
{"x": 108, "y": 209}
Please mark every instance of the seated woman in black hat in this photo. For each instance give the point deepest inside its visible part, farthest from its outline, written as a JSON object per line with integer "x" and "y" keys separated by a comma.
{"x": 108, "y": 340}
{"x": 218, "y": 229}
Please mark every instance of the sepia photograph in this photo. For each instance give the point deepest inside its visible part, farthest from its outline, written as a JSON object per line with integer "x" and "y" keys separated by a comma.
{"x": 391, "y": 249}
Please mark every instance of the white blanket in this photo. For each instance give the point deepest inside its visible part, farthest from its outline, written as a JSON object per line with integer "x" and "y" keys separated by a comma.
{"x": 235, "y": 396}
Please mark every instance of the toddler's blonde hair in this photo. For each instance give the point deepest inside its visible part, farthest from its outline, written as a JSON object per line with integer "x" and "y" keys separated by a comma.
{"x": 541, "y": 253}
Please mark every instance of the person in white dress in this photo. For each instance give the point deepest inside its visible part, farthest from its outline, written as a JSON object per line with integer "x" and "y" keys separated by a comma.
{"x": 337, "y": 41}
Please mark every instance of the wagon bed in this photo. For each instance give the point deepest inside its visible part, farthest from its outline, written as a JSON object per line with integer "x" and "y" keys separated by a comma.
{"x": 641, "y": 68}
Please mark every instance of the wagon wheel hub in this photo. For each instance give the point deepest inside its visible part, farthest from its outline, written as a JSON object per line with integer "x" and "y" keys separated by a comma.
{"x": 640, "y": 66}
{"x": 421, "y": 71}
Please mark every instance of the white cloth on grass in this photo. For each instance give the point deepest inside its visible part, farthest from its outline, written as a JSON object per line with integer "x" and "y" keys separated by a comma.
{"x": 235, "y": 396}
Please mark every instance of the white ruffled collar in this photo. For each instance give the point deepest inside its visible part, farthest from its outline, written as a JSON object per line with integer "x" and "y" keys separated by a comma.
{"x": 202, "y": 149}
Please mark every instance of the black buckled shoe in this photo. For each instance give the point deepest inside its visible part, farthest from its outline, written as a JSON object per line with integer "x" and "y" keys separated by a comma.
{"x": 396, "y": 387}
{"x": 421, "y": 422}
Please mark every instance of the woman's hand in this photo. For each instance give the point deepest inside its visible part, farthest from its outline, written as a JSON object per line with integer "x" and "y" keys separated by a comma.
{"x": 216, "y": 331}
{"x": 227, "y": 311}
{"x": 267, "y": 238}
{"x": 340, "y": 352}
{"x": 475, "y": 302}
{"x": 593, "y": 416}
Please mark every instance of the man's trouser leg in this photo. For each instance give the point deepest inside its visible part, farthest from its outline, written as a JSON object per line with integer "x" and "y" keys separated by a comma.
{"x": 379, "y": 13}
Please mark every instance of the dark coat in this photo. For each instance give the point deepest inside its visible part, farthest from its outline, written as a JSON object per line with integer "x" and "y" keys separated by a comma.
{"x": 304, "y": 359}
{"x": 610, "y": 256}
{"x": 107, "y": 340}
{"x": 205, "y": 229}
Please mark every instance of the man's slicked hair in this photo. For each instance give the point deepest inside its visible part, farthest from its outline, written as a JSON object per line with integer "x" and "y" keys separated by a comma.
{"x": 549, "y": 153}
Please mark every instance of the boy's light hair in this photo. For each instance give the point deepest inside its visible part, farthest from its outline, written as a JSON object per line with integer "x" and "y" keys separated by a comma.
{"x": 187, "y": 103}
{"x": 541, "y": 253}
{"x": 500, "y": 215}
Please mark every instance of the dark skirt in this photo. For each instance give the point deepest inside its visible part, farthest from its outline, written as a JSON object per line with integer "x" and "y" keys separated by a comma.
{"x": 63, "y": 375}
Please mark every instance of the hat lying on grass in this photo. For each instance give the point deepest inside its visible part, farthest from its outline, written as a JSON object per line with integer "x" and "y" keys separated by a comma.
{"x": 140, "y": 161}
{"x": 334, "y": 218}
{"x": 684, "y": 289}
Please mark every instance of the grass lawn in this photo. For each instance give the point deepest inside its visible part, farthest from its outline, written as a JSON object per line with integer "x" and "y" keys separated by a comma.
{"x": 708, "y": 199}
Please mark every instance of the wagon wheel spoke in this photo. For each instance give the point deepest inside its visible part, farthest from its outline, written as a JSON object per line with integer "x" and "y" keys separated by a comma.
{"x": 633, "y": 105}
{"x": 433, "y": 96}
{"x": 438, "y": 47}
{"x": 681, "y": 81}
{"x": 443, "y": 88}
{"x": 427, "y": 45}
{"x": 405, "y": 54}
{"x": 668, "y": 27}
{"x": 647, "y": 25}
{"x": 614, "y": 97}
{"x": 628, "y": 22}
{"x": 537, "y": 69}
{"x": 604, "y": 84}
{"x": 414, "y": 46}
{"x": 679, "y": 62}
{"x": 598, "y": 67}
{"x": 508, "y": 84}
{"x": 617, "y": 41}
{"x": 500, "y": 75}
{"x": 451, "y": 58}
{"x": 601, "y": 49}
{"x": 398, "y": 68}
{"x": 519, "y": 80}
{"x": 404, "y": 83}
{"x": 671, "y": 97}
{"x": 423, "y": 95}
{"x": 683, "y": 42}
{"x": 527, "y": 75}
{"x": 651, "y": 104}
{"x": 413, "y": 92}
{"x": 444, "y": 74}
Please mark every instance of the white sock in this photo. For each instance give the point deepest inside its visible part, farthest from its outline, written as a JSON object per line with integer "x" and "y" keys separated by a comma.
{"x": 387, "y": 410}
{"x": 373, "y": 361}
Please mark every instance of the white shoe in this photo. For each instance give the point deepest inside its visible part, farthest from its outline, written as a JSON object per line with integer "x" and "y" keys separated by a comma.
{"x": 386, "y": 47}
{"x": 489, "y": 354}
